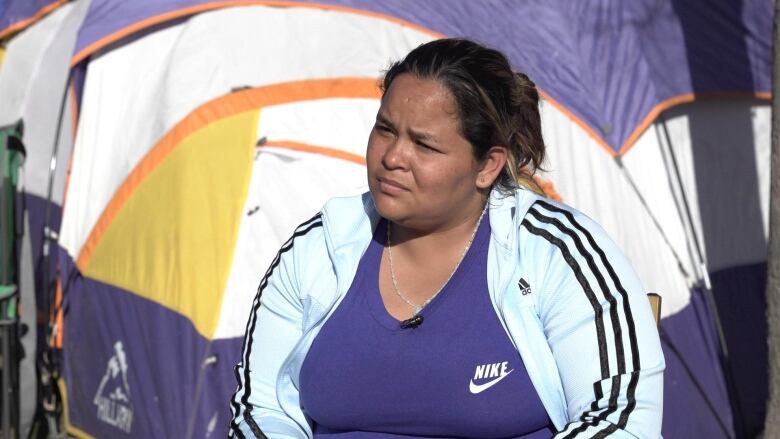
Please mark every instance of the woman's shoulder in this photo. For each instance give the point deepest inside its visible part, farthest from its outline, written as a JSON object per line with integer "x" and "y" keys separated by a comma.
{"x": 537, "y": 218}
{"x": 554, "y": 233}
{"x": 349, "y": 204}
{"x": 310, "y": 239}
{"x": 553, "y": 220}
{"x": 348, "y": 219}
{"x": 565, "y": 243}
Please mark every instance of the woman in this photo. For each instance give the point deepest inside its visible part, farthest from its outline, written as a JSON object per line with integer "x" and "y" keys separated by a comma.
{"x": 450, "y": 301}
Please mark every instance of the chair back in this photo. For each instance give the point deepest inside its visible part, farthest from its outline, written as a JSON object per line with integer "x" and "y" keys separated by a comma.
{"x": 655, "y": 305}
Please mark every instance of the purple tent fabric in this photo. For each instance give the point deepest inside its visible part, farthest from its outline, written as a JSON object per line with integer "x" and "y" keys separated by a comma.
{"x": 13, "y": 12}
{"x": 609, "y": 62}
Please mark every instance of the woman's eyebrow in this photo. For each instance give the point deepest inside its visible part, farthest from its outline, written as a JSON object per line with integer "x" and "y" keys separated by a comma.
{"x": 417, "y": 135}
{"x": 384, "y": 120}
{"x": 423, "y": 136}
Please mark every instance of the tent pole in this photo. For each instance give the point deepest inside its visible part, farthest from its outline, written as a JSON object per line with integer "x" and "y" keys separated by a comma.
{"x": 50, "y": 235}
{"x": 47, "y": 362}
{"x": 675, "y": 187}
{"x": 693, "y": 239}
{"x": 704, "y": 278}
{"x": 630, "y": 180}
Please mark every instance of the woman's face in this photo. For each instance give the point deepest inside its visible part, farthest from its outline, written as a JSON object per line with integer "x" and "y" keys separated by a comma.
{"x": 421, "y": 170}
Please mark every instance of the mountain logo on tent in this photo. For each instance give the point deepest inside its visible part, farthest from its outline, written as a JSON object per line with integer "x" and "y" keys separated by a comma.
{"x": 112, "y": 398}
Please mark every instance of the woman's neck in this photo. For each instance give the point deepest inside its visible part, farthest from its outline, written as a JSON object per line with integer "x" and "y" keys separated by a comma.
{"x": 451, "y": 236}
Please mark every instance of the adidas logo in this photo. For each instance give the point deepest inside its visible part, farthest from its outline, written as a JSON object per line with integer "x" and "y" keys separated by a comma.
{"x": 524, "y": 287}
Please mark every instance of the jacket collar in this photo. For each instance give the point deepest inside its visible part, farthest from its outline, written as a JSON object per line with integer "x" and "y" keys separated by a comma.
{"x": 349, "y": 222}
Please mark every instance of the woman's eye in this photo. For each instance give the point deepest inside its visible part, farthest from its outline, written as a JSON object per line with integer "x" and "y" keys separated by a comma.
{"x": 427, "y": 147}
{"x": 382, "y": 128}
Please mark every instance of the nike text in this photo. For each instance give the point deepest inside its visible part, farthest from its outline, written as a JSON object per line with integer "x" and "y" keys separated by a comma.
{"x": 496, "y": 371}
{"x": 490, "y": 370}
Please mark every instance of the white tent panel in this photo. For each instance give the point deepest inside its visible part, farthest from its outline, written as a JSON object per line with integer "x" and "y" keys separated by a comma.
{"x": 761, "y": 118}
{"x": 116, "y": 128}
{"x": 271, "y": 45}
{"x": 150, "y": 84}
{"x": 287, "y": 188}
{"x": 22, "y": 61}
{"x": 588, "y": 178}
{"x": 44, "y": 101}
{"x": 342, "y": 124}
{"x": 707, "y": 140}
{"x": 722, "y": 151}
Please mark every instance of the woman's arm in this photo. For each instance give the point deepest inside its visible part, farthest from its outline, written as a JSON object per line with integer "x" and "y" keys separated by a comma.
{"x": 273, "y": 330}
{"x": 600, "y": 329}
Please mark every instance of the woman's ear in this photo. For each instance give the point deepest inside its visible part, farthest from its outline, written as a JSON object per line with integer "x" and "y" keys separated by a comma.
{"x": 491, "y": 166}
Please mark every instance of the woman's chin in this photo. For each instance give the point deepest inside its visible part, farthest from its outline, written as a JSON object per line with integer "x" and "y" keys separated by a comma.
{"x": 390, "y": 207}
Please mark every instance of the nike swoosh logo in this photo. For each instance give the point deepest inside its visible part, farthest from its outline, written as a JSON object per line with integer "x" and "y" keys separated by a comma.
{"x": 478, "y": 388}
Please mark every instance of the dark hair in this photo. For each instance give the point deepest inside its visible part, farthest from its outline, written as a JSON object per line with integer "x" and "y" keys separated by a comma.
{"x": 496, "y": 105}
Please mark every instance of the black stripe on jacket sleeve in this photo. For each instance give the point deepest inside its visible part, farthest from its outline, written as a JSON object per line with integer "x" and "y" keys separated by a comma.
{"x": 244, "y": 384}
{"x": 614, "y": 317}
{"x": 591, "y": 296}
{"x": 567, "y": 226}
{"x": 631, "y": 391}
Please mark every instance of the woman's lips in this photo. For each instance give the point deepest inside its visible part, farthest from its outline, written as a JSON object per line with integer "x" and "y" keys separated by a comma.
{"x": 389, "y": 186}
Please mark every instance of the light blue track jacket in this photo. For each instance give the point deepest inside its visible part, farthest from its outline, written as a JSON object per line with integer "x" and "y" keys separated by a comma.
{"x": 584, "y": 328}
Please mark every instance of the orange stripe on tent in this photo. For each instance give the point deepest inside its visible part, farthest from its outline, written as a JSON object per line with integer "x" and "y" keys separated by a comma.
{"x": 220, "y": 108}
{"x": 151, "y": 21}
{"x": 677, "y": 100}
{"x": 57, "y": 316}
{"x": 322, "y": 150}
{"x": 21, "y": 24}
{"x": 74, "y": 119}
{"x": 74, "y": 109}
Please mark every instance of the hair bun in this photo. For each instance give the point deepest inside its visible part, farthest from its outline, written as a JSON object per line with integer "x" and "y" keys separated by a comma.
{"x": 526, "y": 88}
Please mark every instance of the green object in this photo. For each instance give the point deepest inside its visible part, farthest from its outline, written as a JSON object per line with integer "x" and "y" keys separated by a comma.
{"x": 11, "y": 158}
{"x": 7, "y": 291}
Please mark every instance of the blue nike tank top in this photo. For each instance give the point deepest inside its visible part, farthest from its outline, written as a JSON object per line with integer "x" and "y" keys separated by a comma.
{"x": 456, "y": 375}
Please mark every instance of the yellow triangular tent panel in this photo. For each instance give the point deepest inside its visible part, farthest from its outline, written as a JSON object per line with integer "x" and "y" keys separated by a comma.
{"x": 172, "y": 242}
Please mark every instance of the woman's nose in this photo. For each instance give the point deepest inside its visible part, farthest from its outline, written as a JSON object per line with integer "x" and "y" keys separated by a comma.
{"x": 396, "y": 155}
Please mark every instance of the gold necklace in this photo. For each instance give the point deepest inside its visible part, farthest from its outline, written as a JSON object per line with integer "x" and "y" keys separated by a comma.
{"x": 418, "y": 308}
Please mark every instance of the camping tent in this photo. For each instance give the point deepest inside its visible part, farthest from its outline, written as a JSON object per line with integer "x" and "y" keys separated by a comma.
{"x": 205, "y": 130}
